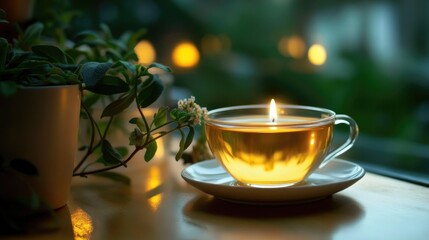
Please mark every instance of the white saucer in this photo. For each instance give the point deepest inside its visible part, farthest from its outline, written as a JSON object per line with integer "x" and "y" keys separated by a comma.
{"x": 210, "y": 177}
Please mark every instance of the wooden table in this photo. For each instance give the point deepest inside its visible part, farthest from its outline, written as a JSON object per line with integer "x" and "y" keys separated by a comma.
{"x": 161, "y": 205}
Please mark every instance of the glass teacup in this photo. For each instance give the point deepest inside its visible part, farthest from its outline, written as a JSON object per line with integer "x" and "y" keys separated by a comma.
{"x": 260, "y": 152}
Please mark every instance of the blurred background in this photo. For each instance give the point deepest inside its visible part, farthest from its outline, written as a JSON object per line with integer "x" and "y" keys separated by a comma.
{"x": 368, "y": 59}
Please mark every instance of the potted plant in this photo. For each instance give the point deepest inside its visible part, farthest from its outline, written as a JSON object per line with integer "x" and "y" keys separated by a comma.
{"x": 43, "y": 91}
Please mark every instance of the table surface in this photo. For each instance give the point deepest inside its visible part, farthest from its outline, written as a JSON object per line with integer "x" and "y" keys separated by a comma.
{"x": 159, "y": 204}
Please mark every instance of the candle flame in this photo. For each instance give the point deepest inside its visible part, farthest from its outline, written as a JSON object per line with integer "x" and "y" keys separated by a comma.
{"x": 273, "y": 111}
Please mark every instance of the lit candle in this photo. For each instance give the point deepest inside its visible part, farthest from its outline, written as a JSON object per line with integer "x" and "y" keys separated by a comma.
{"x": 273, "y": 111}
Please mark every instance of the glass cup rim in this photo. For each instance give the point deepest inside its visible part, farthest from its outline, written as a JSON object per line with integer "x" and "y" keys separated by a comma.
{"x": 328, "y": 119}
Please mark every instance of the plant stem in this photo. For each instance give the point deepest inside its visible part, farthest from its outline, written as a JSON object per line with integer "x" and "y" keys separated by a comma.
{"x": 107, "y": 127}
{"x": 144, "y": 119}
{"x": 83, "y": 173}
{"x": 91, "y": 147}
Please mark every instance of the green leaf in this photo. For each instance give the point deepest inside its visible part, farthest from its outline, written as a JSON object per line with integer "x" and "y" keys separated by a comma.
{"x": 4, "y": 52}
{"x": 52, "y": 53}
{"x": 136, "y": 138}
{"x": 90, "y": 38}
{"x": 93, "y": 72}
{"x": 106, "y": 30}
{"x": 173, "y": 114}
{"x": 150, "y": 150}
{"x": 150, "y": 94}
{"x": 111, "y": 156}
{"x": 115, "y": 177}
{"x": 160, "y": 66}
{"x": 133, "y": 39}
{"x": 24, "y": 166}
{"x": 181, "y": 145}
{"x": 30, "y": 36}
{"x": 92, "y": 43}
{"x": 69, "y": 59}
{"x": 76, "y": 54}
{"x": 56, "y": 79}
{"x": 185, "y": 142}
{"x": 3, "y": 16}
{"x": 109, "y": 85}
{"x": 139, "y": 122}
{"x": 126, "y": 65}
{"x": 131, "y": 56}
{"x": 160, "y": 117}
{"x": 118, "y": 105}
{"x": 122, "y": 150}
{"x": 179, "y": 115}
{"x": 32, "y": 64}
{"x": 8, "y": 88}
{"x": 189, "y": 138}
{"x": 87, "y": 34}
{"x": 113, "y": 54}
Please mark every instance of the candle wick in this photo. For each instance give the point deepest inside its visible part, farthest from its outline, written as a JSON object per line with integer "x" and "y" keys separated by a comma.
{"x": 273, "y": 120}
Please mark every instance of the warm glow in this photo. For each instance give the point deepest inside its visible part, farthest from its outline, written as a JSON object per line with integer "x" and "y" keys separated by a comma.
{"x": 153, "y": 181}
{"x": 293, "y": 46}
{"x": 312, "y": 140}
{"x": 186, "y": 55}
{"x": 273, "y": 111}
{"x": 82, "y": 224}
{"x": 215, "y": 44}
{"x": 317, "y": 54}
{"x": 145, "y": 52}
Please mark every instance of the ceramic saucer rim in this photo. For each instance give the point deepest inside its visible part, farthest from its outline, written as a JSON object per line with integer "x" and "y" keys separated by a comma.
{"x": 286, "y": 195}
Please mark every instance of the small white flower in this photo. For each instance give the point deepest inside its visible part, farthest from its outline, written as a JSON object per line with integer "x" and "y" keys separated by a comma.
{"x": 189, "y": 105}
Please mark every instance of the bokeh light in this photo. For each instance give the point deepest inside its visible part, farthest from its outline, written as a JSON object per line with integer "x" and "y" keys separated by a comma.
{"x": 153, "y": 181}
{"x": 317, "y": 55}
{"x": 292, "y": 46}
{"x": 186, "y": 55}
{"x": 82, "y": 224}
{"x": 145, "y": 52}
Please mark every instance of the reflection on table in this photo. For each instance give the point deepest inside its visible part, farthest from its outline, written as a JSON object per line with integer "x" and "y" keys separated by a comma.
{"x": 160, "y": 205}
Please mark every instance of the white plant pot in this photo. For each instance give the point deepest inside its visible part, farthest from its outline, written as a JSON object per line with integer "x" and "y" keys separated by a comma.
{"x": 40, "y": 124}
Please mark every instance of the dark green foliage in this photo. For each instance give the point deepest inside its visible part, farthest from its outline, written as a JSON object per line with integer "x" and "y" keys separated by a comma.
{"x": 102, "y": 65}
{"x": 160, "y": 117}
{"x": 3, "y": 16}
{"x": 30, "y": 37}
{"x": 185, "y": 141}
{"x": 151, "y": 92}
{"x": 111, "y": 156}
{"x": 150, "y": 150}
{"x": 109, "y": 85}
{"x": 93, "y": 72}
{"x": 51, "y": 53}
{"x": 118, "y": 105}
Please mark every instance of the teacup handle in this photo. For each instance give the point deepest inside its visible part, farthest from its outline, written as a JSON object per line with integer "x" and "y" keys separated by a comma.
{"x": 353, "y": 134}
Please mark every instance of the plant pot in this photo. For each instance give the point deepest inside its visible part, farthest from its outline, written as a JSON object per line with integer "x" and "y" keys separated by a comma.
{"x": 40, "y": 124}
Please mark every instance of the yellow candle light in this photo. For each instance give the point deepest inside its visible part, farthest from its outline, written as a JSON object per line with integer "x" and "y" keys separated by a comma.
{"x": 273, "y": 111}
